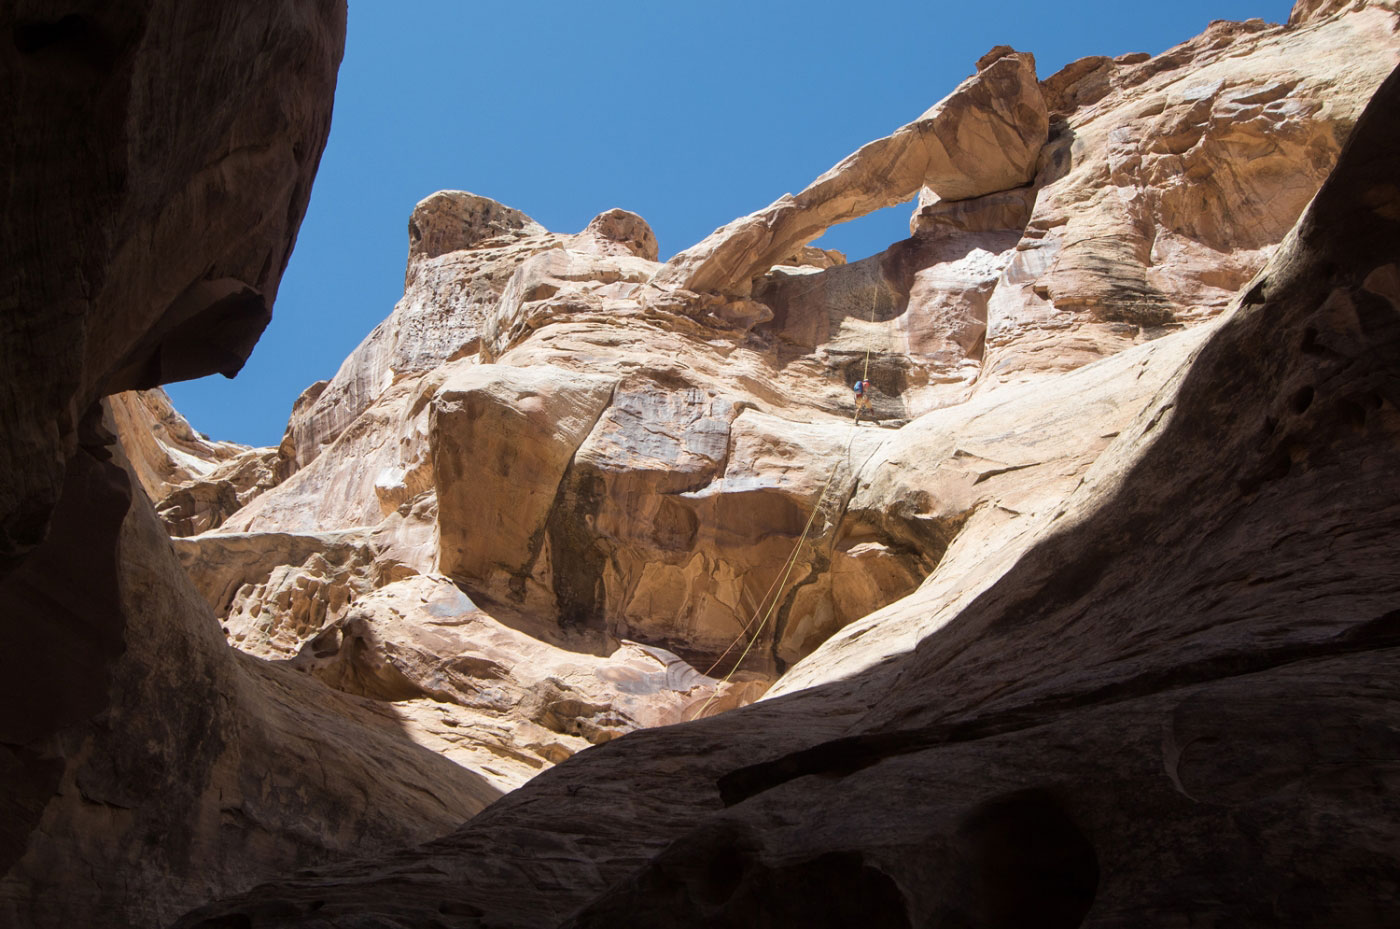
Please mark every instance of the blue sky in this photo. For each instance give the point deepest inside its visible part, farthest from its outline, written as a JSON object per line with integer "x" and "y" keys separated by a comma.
{"x": 688, "y": 113}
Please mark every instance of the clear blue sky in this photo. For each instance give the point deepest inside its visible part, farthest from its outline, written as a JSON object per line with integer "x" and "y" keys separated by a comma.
{"x": 688, "y": 113}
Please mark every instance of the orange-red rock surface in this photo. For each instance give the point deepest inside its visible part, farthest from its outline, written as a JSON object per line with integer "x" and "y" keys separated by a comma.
{"x": 1088, "y": 621}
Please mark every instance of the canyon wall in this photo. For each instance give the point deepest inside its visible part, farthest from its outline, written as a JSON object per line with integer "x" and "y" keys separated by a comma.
{"x": 159, "y": 157}
{"x": 1086, "y": 622}
{"x": 1148, "y": 685}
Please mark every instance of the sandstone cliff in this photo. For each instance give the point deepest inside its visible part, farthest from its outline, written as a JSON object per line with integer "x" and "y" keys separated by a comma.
{"x": 1146, "y": 683}
{"x": 599, "y": 448}
{"x": 149, "y": 215}
{"x": 1087, "y": 623}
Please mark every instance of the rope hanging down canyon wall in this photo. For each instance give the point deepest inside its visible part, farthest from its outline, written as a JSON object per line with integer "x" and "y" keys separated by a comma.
{"x": 780, "y": 580}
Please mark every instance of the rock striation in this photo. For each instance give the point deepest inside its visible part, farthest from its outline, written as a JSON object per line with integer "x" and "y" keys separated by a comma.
{"x": 194, "y": 482}
{"x": 1168, "y": 182}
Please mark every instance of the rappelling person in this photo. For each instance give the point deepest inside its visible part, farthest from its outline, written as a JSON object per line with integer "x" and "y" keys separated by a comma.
{"x": 862, "y": 389}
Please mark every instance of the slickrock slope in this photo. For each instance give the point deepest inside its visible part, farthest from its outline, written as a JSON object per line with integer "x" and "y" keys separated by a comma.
{"x": 1171, "y": 703}
{"x": 164, "y": 450}
{"x": 204, "y": 770}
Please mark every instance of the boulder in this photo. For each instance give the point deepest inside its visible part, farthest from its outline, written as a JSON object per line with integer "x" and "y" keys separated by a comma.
{"x": 618, "y": 232}
{"x": 502, "y": 439}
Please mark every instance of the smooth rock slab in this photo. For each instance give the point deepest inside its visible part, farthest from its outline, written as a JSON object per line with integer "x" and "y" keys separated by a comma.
{"x": 502, "y": 439}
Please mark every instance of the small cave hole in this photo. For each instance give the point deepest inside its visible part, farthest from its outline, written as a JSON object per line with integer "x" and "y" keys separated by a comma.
{"x": 1310, "y": 345}
{"x": 1303, "y": 399}
{"x": 1029, "y": 866}
{"x": 1351, "y": 413}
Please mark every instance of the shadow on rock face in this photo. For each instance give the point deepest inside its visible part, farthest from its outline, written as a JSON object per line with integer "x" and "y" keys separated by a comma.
{"x": 57, "y": 651}
{"x": 719, "y": 878}
{"x": 1027, "y": 866}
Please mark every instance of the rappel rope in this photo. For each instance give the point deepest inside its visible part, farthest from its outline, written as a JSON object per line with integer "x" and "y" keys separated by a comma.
{"x": 780, "y": 582}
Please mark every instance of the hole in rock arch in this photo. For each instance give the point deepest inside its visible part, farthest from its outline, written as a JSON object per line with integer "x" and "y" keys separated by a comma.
{"x": 869, "y": 234}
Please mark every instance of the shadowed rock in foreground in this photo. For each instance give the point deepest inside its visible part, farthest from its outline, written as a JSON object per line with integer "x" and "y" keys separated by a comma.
{"x": 158, "y": 158}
